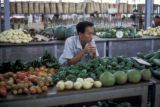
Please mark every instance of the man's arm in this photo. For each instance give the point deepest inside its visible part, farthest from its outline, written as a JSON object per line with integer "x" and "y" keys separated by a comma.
{"x": 78, "y": 57}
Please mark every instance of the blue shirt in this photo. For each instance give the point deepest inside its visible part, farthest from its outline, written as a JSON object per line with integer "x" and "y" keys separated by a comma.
{"x": 73, "y": 47}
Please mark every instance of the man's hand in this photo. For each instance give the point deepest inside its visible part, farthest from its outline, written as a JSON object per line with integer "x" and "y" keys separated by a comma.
{"x": 89, "y": 49}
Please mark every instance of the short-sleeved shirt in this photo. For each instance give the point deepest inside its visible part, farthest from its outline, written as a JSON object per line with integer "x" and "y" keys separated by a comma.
{"x": 73, "y": 47}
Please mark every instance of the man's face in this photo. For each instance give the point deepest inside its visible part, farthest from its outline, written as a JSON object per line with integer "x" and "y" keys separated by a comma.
{"x": 87, "y": 35}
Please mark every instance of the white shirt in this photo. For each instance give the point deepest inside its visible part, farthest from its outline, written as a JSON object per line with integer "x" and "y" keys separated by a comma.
{"x": 73, "y": 47}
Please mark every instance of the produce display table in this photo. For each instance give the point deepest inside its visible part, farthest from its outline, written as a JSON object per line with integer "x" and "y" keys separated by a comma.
{"x": 156, "y": 92}
{"x": 130, "y": 47}
{"x": 73, "y": 97}
{"x": 34, "y": 50}
{"x": 106, "y": 47}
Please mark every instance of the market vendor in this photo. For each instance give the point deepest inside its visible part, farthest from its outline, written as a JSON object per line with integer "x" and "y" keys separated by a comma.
{"x": 157, "y": 21}
{"x": 79, "y": 48}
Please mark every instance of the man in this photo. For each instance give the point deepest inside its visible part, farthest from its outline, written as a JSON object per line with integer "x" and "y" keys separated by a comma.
{"x": 157, "y": 21}
{"x": 79, "y": 48}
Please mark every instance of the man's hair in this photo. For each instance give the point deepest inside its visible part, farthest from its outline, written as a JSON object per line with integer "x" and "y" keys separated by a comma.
{"x": 156, "y": 16}
{"x": 81, "y": 26}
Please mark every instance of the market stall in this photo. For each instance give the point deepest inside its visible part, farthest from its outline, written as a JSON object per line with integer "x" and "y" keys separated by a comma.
{"x": 52, "y": 98}
{"x": 126, "y": 73}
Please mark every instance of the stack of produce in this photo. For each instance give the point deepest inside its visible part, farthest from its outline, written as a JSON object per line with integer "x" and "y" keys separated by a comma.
{"x": 46, "y": 60}
{"x": 29, "y": 81}
{"x": 111, "y": 32}
{"x": 80, "y": 83}
{"x": 30, "y": 78}
{"x": 109, "y": 71}
{"x": 62, "y": 32}
{"x": 150, "y": 32}
{"x": 15, "y": 36}
{"x": 41, "y": 35}
{"x": 122, "y": 77}
{"x": 122, "y": 63}
{"x": 91, "y": 69}
{"x": 154, "y": 59}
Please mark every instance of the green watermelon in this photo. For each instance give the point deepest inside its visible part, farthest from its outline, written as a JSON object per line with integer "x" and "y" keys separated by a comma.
{"x": 107, "y": 79}
{"x": 60, "y": 32}
{"x": 121, "y": 77}
{"x": 134, "y": 76}
{"x": 146, "y": 74}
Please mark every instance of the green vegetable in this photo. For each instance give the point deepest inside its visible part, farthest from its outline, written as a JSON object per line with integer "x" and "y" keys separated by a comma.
{"x": 156, "y": 73}
{"x": 146, "y": 74}
{"x": 60, "y": 32}
{"x": 134, "y": 76}
{"x": 71, "y": 78}
{"x": 156, "y": 56}
{"x": 156, "y": 62}
{"x": 148, "y": 56}
{"x": 107, "y": 79}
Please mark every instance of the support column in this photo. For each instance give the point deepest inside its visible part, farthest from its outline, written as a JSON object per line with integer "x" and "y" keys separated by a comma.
{"x": 148, "y": 12}
{"x": 7, "y": 14}
{"x": 0, "y": 17}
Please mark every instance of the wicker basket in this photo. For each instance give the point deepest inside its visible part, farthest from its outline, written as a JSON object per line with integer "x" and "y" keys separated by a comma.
{"x": 125, "y": 8}
{"x": 121, "y": 7}
{"x": 36, "y": 7}
{"x": 103, "y": 8}
{"x": 41, "y": 7}
{"x": 31, "y": 7}
{"x": 79, "y": 7}
{"x": 47, "y": 8}
{"x": 130, "y": 8}
{"x": 66, "y": 8}
{"x": 53, "y": 8}
{"x": 72, "y": 8}
{"x": 97, "y": 7}
{"x": 90, "y": 7}
{"x": 25, "y": 7}
{"x": 107, "y": 6}
{"x": 12, "y": 7}
{"x": 19, "y": 7}
{"x": 59, "y": 8}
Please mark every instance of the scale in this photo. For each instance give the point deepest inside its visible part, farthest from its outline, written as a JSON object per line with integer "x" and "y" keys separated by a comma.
{"x": 119, "y": 34}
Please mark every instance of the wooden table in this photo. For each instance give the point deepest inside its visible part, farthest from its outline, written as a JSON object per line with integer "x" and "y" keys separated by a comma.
{"x": 54, "y": 98}
{"x": 156, "y": 93}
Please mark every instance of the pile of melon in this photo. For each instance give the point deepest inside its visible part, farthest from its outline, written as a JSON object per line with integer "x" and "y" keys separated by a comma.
{"x": 121, "y": 77}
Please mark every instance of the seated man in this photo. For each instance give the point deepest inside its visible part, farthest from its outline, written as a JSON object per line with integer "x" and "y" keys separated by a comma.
{"x": 79, "y": 48}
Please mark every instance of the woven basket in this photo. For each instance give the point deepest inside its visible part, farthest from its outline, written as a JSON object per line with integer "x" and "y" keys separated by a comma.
{"x": 121, "y": 7}
{"x": 97, "y": 7}
{"x": 72, "y": 8}
{"x": 19, "y": 7}
{"x": 53, "y": 8}
{"x": 103, "y": 8}
{"x": 31, "y": 7}
{"x": 125, "y": 8}
{"x": 12, "y": 7}
{"x": 66, "y": 8}
{"x": 47, "y": 8}
{"x": 130, "y": 8}
{"x": 25, "y": 7}
{"x": 59, "y": 8}
{"x": 36, "y": 7}
{"x": 41, "y": 7}
{"x": 79, "y": 7}
{"x": 90, "y": 7}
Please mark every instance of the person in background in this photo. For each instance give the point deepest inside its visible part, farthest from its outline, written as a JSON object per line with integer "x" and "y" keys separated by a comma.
{"x": 79, "y": 48}
{"x": 157, "y": 21}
